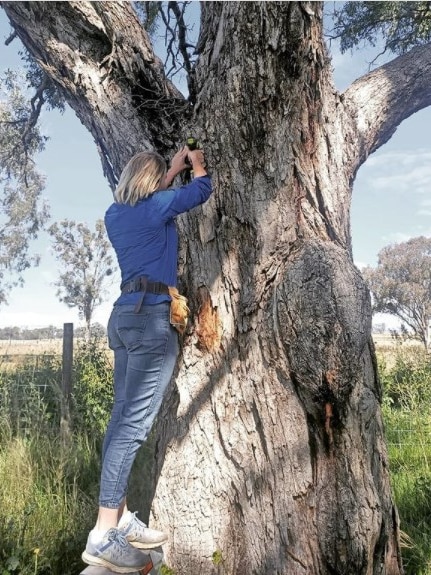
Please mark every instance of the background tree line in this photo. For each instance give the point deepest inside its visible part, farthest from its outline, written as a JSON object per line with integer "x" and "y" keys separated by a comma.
{"x": 48, "y": 332}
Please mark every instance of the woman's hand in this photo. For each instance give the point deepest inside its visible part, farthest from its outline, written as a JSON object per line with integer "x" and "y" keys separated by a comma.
{"x": 197, "y": 160}
{"x": 178, "y": 164}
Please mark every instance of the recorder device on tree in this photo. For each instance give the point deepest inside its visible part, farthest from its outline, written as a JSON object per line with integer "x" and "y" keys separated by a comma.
{"x": 192, "y": 144}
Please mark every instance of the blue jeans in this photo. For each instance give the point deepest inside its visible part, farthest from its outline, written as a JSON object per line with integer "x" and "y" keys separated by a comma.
{"x": 145, "y": 349}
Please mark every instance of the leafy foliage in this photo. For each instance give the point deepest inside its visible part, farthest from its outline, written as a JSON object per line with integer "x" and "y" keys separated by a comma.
{"x": 30, "y": 391}
{"x": 23, "y": 213}
{"x": 407, "y": 383}
{"x": 93, "y": 394}
{"x": 401, "y": 25}
{"x": 401, "y": 284}
{"x": 87, "y": 261}
{"x": 45, "y": 91}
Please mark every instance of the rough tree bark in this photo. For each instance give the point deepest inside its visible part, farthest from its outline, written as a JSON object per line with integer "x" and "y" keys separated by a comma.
{"x": 271, "y": 457}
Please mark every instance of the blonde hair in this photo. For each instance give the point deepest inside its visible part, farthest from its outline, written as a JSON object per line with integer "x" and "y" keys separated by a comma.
{"x": 141, "y": 177}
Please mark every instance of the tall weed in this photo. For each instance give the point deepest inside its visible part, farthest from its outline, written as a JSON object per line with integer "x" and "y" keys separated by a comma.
{"x": 47, "y": 493}
{"x": 48, "y": 487}
{"x": 30, "y": 395}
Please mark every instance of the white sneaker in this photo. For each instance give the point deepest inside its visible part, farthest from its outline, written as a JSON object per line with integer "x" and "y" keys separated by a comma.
{"x": 115, "y": 553}
{"x": 138, "y": 534}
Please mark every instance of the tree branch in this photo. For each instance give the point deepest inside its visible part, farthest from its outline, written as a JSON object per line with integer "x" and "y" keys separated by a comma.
{"x": 176, "y": 43}
{"x": 36, "y": 102}
{"x": 10, "y": 39}
{"x": 108, "y": 59}
{"x": 378, "y": 102}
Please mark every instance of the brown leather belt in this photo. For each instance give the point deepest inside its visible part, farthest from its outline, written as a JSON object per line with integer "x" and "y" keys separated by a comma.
{"x": 142, "y": 284}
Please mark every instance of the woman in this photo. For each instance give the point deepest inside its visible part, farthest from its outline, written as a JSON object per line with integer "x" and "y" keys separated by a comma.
{"x": 142, "y": 230}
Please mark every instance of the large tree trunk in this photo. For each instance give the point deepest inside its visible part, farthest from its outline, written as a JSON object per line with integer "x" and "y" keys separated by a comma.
{"x": 276, "y": 452}
{"x": 271, "y": 457}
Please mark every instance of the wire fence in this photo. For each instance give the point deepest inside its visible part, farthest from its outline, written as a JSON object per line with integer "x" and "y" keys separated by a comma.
{"x": 44, "y": 369}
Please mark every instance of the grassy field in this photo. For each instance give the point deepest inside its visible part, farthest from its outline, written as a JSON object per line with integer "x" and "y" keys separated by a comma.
{"x": 16, "y": 352}
{"x": 30, "y": 347}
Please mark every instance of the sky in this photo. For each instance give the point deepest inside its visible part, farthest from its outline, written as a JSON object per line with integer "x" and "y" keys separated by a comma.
{"x": 391, "y": 195}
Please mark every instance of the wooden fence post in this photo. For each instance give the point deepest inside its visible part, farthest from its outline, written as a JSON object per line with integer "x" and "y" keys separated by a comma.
{"x": 66, "y": 380}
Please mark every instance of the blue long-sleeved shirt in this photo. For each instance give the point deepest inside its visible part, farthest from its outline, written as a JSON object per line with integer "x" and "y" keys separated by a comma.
{"x": 145, "y": 238}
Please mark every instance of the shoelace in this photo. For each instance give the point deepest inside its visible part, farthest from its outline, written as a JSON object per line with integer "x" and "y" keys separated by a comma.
{"x": 115, "y": 536}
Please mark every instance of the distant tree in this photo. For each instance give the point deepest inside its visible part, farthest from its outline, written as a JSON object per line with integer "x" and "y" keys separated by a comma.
{"x": 47, "y": 332}
{"x": 86, "y": 259}
{"x": 23, "y": 213}
{"x": 98, "y": 331}
{"x": 401, "y": 285}
{"x": 379, "y": 328}
{"x": 10, "y": 332}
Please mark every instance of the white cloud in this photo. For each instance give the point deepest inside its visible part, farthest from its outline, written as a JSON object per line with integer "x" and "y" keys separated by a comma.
{"x": 404, "y": 157}
{"x": 406, "y": 173}
{"x": 424, "y": 208}
{"x": 396, "y": 238}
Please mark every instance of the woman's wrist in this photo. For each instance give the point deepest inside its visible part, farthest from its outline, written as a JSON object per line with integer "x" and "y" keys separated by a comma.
{"x": 198, "y": 170}
{"x": 170, "y": 176}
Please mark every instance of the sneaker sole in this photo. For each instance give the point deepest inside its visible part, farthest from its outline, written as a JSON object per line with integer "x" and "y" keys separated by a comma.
{"x": 97, "y": 562}
{"x": 139, "y": 545}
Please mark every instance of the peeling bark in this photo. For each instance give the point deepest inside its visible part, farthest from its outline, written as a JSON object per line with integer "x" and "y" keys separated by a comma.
{"x": 271, "y": 451}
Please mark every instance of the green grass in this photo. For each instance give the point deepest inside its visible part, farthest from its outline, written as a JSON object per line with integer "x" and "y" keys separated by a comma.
{"x": 409, "y": 444}
{"x": 49, "y": 485}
